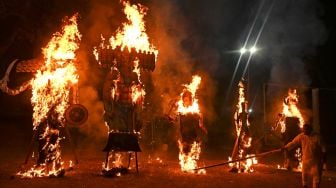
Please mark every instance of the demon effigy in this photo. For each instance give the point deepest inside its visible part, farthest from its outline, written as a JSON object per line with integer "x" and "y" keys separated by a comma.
{"x": 123, "y": 59}
{"x": 185, "y": 111}
{"x": 290, "y": 121}
{"x": 243, "y": 141}
{"x": 53, "y": 86}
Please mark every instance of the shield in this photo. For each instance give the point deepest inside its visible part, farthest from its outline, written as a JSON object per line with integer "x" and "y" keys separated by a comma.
{"x": 76, "y": 114}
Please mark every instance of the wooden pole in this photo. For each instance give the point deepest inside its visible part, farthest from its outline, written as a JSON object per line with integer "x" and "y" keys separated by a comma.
{"x": 31, "y": 146}
{"x": 237, "y": 160}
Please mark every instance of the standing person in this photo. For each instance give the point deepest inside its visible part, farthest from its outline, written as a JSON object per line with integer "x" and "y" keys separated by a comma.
{"x": 313, "y": 154}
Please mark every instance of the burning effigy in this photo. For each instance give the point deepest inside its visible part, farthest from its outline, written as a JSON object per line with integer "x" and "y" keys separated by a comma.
{"x": 243, "y": 141}
{"x": 54, "y": 92}
{"x": 290, "y": 121}
{"x": 124, "y": 57}
{"x": 190, "y": 123}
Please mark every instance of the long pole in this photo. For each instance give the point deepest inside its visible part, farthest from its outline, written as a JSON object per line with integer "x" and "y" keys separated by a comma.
{"x": 264, "y": 101}
{"x": 237, "y": 160}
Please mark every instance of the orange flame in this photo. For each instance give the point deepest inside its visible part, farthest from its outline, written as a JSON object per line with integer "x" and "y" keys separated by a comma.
{"x": 192, "y": 88}
{"x": 188, "y": 104}
{"x": 131, "y": 35}
{"x": 240, "y": 108}
{"x": 188, "y": 161}
{"x": 51, "y": 89}
{"x": 244, "y": 140}
{"x": 52, "y": 83}
{"x": 290, "y": 108}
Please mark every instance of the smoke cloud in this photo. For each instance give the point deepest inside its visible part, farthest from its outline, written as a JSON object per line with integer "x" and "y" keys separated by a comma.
{"x": 292, "y": 34}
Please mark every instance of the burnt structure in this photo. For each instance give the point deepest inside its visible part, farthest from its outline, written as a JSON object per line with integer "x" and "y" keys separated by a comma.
{"x": 123, "y": 95}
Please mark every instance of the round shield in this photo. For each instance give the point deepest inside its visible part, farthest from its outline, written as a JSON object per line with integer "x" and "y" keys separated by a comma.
{"x": 76, "y": 114}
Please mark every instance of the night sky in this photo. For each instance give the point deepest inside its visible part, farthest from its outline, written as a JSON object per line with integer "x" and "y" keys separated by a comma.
{"x": 295, "y": 49}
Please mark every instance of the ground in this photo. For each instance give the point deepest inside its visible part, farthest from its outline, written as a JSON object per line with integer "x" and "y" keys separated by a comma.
{"x": 14, "y": 146}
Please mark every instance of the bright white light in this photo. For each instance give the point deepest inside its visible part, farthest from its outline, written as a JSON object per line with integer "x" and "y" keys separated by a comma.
{"x": 243, "y": 50}
{"x": 253, "y": 50}
{"x": 250, "y": 110}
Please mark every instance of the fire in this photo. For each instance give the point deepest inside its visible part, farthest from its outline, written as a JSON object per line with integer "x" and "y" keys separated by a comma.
{"x": 240, "y": 107}
{"x": 192, "y": 88}
{"x": 125, "y": 55}
{"x": 188, "y": 161}
{"x": 187, "y": 107}
{"x": 243, "y": 140}
{"x": 132, "y": 36}
{"x": 290, "y": 108}
{"x": 50, "y": 96}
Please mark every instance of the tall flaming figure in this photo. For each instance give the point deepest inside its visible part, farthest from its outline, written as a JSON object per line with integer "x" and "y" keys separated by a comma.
{"x": 124, "y": 57}
{"x": 191, "y": 127}
{"x": 290, "y": 121}
{"x": 53, "y": 88}
{"x": 243, "y": 137}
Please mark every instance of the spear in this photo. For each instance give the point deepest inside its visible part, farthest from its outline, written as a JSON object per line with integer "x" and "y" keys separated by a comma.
{"x": 249, "y": 157}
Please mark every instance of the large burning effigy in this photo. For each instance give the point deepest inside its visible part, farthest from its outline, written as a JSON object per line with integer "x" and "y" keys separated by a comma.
{"x": 124, "y": 56}
{"x": 54, "y": 95}
{"x": 243, "y": 141}
{"x": 289, "y": 122}
{"x": 191, "y": 127}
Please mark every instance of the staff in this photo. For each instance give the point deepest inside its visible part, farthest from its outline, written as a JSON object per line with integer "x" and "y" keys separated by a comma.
{"x": 249, "y": 157}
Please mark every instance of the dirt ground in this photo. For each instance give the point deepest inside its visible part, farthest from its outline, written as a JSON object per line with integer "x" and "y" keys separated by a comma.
{"x": 14, "y": 146}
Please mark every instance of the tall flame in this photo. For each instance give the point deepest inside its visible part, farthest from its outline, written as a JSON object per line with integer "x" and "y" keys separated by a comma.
{"x": 188, "y": 159}
{"x": 131, "y": 36}
{"x": 51, "y": 85}
{"x": 133, "y": 33}
{"x": 50, "y": 95}
{"x": 192, "y": 88}
{"x": 239, "y": 108}
{"x": 243, "y": 139}
{"x": 290, "y": 108}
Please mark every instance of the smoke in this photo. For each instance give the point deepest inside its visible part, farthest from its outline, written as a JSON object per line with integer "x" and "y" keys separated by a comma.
{"x": 291, "y": 35}
{"x": 100, "y": 20}
{"x": 172, "y": 34}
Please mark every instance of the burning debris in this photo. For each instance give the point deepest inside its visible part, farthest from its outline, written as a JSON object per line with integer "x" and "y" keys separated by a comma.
{"x": 243, "y": 139}
{"x": 290, "y": 121}
{"x": 124, "y": 57}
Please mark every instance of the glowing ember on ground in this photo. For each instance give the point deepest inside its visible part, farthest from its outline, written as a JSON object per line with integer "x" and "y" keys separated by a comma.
{"x": 50, "y": 98}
